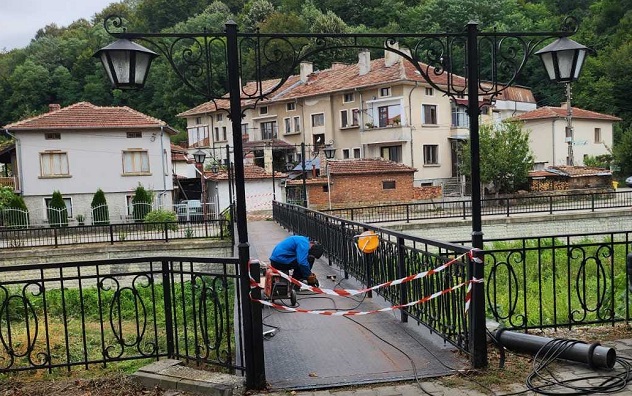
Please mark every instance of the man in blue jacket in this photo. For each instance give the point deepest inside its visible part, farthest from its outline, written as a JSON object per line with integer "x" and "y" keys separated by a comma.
{"x": 297, "y": 253}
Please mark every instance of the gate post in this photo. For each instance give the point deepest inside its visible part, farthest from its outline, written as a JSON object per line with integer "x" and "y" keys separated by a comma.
{"x": 166, "y": 288}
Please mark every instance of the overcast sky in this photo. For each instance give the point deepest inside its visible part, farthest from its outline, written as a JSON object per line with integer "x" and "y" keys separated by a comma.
{"x": 21, "y": 19}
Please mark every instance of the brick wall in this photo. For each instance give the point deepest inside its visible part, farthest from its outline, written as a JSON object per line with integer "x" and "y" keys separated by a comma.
{"x": 347, "y": 190}
{"x": 427, "y": 192}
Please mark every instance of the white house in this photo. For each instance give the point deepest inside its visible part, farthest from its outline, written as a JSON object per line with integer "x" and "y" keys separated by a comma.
{"x": 592, "y": 134}
{"x": 81, "y": 148}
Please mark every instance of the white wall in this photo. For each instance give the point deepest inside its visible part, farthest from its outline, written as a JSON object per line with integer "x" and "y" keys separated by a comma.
{"x": 258, "y": 194}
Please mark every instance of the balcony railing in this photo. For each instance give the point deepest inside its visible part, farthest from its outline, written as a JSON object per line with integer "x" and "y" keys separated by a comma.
{"x": 9, "y": 181}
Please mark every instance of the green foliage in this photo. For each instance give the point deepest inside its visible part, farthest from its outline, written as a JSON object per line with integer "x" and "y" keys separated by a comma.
{"x": 100, "y": 211}
{"x": 16, "y": 213}
{"x": 57, "y": 211}
{"x": 159, "y": 217}
{"x": 6, "y": 196}
{"x": 598, "y": 161}
{"x": 505, "y": 156}
{"x": 141, "y": 203}
{"x": 623, "y": 153}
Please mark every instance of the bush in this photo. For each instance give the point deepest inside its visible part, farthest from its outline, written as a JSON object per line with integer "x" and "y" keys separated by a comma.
{"x": 100, "y": 211}
{"x": 160, "y": 216}
{"x": 57, "y": 211}
{"x": 16, "y": 213}
{"x": 141, "y": 203}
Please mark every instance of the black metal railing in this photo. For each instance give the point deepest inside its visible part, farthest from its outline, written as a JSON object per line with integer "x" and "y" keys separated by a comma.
{"x": 559, "y": 280}
{"x": 81, "y": 314}
{"x": 398, "y": 255}
{"x": 115, "y": 233}
{"x": 505, "y": 206}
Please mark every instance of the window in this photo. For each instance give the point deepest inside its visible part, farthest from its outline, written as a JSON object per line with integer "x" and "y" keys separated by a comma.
{"x": 318, "y": 119}
{"x": 244, "y": 130}
{"x": 288, "y": 125}
{"x": 134, "y": 135}
{"x": 348, "y": 97}
{"x": 459, "y": 117}
{"x": 318, "y": 140}
{"x": 67, "y": 201}
{"x": 429, "y": 114}
{"x": 345, "y": 153}
{"x": 393, "y": 153}
{"x": 297, "y": 124}
{"x": 290, "y": 106}
{"x": 52, "y": 136}
{"x": 224, "y": 133}
{"x": 431, "y": 156}
{"x": 263, "y": 110}
{"x": 54, "y": 164}
{"x": 198, "y": 120}
{"x": 388, "y": 184}
{"x": 385, "y": 91}
{"x": 344, "y": 118}
{"x": 355, "y": 117}
{"x": 356, "y": 153}
{"x": 217, "y": 134}
{"x": 389, "y": 115}
{"x": 429, "y": 91}
{"x": 597, "y": 135}
{"x": 220, "y": 117}
{"x": 135, "y": 162}
{"x": 268, "y": 130}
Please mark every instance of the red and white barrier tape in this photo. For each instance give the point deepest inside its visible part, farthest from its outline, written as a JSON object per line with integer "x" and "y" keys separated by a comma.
{"x": 358, "y": 313}
{"x": 349, "y": 292}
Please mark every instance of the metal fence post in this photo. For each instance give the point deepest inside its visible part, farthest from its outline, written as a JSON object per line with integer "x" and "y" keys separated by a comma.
{"x": 401, "y": 272}
{"x": 478, "y": 325}
{"x": 166, "y": 228}
{"x": 111, "y": 235}
{"x": 166, "y": 287}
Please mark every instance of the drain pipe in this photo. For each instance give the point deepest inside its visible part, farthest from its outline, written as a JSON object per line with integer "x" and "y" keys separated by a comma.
{"x": 593, "y": 355}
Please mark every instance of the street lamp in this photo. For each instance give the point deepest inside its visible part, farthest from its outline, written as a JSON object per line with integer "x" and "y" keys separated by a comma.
{"x": 563, "y": 60}
{"x": 199, "y": 156}
{"x": 201, "y": 59}
{"x": 330, "y": 153}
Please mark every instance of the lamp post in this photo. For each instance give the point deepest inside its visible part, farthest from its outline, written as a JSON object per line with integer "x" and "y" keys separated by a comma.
{"x": 438, "y": 59}
{"x": 330, "y": 153}
{"x": 563, "y": 60}
{"x": 199, "y": 156}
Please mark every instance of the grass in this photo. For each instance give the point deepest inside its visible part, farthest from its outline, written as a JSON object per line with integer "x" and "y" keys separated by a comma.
{"x": 73, "y": 327}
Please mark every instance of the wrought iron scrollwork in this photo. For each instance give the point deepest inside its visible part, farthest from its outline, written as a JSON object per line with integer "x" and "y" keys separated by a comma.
{"x": 502, "y": 272}
{"x": 592, "y": 297}
{"x": 211, "y": 320}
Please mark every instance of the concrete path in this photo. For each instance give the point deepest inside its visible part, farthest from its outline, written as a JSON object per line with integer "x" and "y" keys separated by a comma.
{"x": 314, "y": 351}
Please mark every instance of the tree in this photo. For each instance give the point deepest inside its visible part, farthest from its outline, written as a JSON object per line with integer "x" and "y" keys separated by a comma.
{"x": 141, "y": 203}
{"x": 57, "y": 211}
{"x": 505, "y": 156}
{"x": 100, "y": 211}
{"x": 623, "y": 153}
{"x": 17, "y": 215}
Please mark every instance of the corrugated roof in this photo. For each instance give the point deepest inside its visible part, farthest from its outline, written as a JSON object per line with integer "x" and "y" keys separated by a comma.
{"x": 570, "y": 171}
{"x": 85, "y": 115}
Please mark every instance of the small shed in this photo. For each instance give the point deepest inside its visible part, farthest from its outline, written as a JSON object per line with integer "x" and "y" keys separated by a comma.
{"x": 563, "y": 177}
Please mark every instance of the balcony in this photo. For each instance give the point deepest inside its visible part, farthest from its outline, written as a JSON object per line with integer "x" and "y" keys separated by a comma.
{"x": 10, "y": 181}
{"x": 389, "y": 133}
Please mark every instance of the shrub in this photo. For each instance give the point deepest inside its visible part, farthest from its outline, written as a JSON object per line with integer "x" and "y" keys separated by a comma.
{"x": 57, "y": 211}
{"x": 141, "y": 203}
{"x": 159, "y": 216}
{"x": 16, "y": 213}
{"x": 100, "y": 211}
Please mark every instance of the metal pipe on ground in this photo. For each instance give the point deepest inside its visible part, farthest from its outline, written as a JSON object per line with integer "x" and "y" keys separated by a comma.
{"x": 594, "y": 355}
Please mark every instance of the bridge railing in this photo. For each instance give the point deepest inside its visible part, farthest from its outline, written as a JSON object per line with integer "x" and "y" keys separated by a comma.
{"x": 397, "y": 256}
{"x": 504, "y": 206}
{"x": 82, "y": 314}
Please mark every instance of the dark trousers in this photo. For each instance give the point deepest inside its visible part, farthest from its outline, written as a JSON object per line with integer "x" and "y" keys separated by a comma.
{"x": 291, "y": 266}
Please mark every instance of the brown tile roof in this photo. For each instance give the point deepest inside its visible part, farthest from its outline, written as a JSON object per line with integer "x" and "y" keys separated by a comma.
{"x": 367, "y": 165}
{"x": 85, "y": 115}
{"x": 560, "y": 112}
{"x": 180, "y": 154}
{"x": 250, "y": 172}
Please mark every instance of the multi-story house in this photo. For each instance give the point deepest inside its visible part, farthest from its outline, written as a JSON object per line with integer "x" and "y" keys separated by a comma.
{"x": 592, "y": 135}
{"x": 81, "y": 148}
{"x": 380, "y": 108}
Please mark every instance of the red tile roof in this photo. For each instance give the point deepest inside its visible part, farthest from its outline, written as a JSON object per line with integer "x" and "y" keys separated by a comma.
{"x": 570, "y": 171}
{"x": 180, "y": 154}
{"x": 560, "y": 112}
{"x": 250, "y": 172}
{"x": 367, "y": 165}
{"x": 84, "y": 115}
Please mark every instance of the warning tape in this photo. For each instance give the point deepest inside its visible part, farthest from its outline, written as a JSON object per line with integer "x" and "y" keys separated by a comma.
{"x": 350, "y": 292}
{"x": 358, "y": 313}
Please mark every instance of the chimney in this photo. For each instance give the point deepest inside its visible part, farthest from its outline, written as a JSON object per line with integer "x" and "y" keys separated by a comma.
{"x": 337, "y": 65}
{"x": 53, "y": 107}
{"x": 364, "y": 62}
{"x": 391, "y": 58}
{"x": 307, "y": 68}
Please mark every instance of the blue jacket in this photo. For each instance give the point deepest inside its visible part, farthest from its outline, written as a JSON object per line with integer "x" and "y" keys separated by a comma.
{"x": 293, "y": 248}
